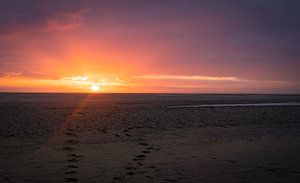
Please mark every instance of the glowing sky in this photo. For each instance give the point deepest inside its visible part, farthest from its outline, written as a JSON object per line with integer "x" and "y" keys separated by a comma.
{"x": 189, "y": 46}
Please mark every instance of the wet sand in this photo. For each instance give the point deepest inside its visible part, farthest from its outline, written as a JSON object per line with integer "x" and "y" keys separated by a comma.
{"x": 140, "y": 138}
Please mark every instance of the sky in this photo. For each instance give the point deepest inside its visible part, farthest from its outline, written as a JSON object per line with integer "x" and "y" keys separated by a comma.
{"x": 150, "y": 46}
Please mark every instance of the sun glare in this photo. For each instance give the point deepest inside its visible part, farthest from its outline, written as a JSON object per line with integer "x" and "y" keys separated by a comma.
{"x": 95, "y": 88}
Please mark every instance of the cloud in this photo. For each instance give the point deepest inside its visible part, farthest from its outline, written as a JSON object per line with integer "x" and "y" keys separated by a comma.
{"x": 62, "y": 21}
{"x": 187, "y": 77}
{"x": 85, "y": 80}
{"x": 27, "y": 75}
{"x": 35, "y": 16}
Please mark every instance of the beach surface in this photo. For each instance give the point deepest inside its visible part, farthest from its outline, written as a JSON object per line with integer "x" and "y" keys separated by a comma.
{"x": 149, "y": 138}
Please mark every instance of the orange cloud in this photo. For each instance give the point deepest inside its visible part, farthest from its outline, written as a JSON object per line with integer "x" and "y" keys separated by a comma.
{"x": 187, "y": 77}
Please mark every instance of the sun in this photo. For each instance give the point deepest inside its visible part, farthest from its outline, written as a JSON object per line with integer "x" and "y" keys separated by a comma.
{"x": 95, "y": 88}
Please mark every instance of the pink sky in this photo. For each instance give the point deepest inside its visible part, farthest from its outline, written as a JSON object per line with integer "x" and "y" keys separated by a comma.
{"x": 149, "y": 46}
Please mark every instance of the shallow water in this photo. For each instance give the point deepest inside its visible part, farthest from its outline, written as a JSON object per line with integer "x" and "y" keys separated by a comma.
{"x": 239, "y": 105}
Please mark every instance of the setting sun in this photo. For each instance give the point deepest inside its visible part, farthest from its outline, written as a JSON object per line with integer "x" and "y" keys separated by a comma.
{"x": 95, "y": 88}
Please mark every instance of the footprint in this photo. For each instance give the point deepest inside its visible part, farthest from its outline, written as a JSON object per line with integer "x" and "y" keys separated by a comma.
{"x": 71, "y": 179}
{"x": 149, "y": 177}
{"x": 71, "y": 141}
{"x": 270, "y": 169}
{"x": 71, "y": 172}
{"x": 72, "y": 166}
{"x": 170, "y": 180}
{"x": 130, "y": 168}
{"x": 141, "y": 156}
{"x": 68, "y": 149}
{"x": 231, "y": 161}
{"x": 75, "y": 155}
{"x": 149, "y": 148}
{"x": 151, "y": 167}
{"x": 140, "y": 164}
{"x": 71, "y": 134}
{"x": 130, "y": 173}
{"x": 117, "y": 135}
{"x": 143, "y": 144}
{"x": 104, "y": 131}
{"x": 295, "y": 171}
{"x": 141, "y": 172}
{"x": 72, "y": 160}
{"x": 128, "y": 135}
{"x": 6, "y": 178}
{"x": 117, "y": 178}
{"x": 10, "y": 135}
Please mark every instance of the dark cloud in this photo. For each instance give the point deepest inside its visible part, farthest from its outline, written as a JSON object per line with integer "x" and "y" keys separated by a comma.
{"x": 256, "y": 16}
{"x": 240, "y": 17}
{"x": 34, "y": 16}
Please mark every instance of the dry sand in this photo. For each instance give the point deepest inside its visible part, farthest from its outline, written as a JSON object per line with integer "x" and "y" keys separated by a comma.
{"x": 140, "y": 138}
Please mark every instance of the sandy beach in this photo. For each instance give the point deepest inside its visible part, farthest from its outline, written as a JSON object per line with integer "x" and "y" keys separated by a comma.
{"x": 149, "y": 138}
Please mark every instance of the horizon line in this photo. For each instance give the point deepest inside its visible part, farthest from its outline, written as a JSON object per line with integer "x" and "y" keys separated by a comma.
{"x": 170, "y": 93}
